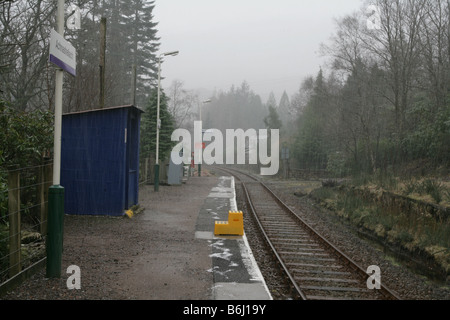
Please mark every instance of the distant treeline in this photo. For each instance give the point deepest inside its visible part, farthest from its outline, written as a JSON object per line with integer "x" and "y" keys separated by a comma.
{"x": 386, "y": 101}
{"x": 238, "y": 107}
{"x": 383, "y": 101}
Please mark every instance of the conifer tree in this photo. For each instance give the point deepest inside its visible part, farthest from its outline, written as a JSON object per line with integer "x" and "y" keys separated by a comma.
{"x": 283, "y": 109}
{"x": 272, "y": 121}
{"x": 148, "y": 127}
{"x": 143, "y": 44}
{"x": 131, "y": 40}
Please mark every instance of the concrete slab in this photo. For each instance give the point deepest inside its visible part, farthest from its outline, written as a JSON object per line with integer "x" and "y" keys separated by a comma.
{"x": 173, "y": 263}
{"x": 239, "y": 291}
{"x": 205, "y": 235}
{"x": 236, "y": 275}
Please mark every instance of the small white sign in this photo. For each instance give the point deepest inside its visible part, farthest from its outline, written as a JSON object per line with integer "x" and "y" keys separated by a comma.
{"x": 62, "y": 53}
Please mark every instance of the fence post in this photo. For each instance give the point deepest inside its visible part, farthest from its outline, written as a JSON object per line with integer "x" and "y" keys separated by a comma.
{"x": 14, "y": 222}
{"x": 146, "y": 170}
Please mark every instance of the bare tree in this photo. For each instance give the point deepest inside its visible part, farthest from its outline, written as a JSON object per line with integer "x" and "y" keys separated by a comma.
{"x": 183, "y": 105}
{"x": 434, "y": 37}
{"x": 396, "y": 48}
{"x": 24, "y": 39}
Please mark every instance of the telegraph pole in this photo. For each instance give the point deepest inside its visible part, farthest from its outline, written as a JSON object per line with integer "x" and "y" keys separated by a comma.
{"x": 102, "y": 61}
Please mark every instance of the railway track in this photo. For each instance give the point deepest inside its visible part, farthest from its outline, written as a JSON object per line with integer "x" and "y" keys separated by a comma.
{"x": 316, "y": 269}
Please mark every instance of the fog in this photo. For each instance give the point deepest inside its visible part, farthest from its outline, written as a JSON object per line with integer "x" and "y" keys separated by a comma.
{"x": 272, "y": 45}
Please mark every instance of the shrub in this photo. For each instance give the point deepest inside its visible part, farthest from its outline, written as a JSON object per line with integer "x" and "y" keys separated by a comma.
{"x": 433, "y": 188}
{"x": 25, "y": 136}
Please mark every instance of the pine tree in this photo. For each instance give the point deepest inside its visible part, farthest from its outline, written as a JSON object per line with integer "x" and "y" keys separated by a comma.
{"x": 142, "y": 44}
{"x": 310, "y": 145}
{"x": 118, "y": 66}
{"x": 148, "y": 127}
{"x": 131, "y": 40}
{"x": 271, "y": 101}
{"x": 272, "y": 121}
{"x": 283, "y": 109}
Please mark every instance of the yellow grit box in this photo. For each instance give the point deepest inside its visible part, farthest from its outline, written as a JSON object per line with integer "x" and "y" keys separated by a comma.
{"x": 234, "y": 226}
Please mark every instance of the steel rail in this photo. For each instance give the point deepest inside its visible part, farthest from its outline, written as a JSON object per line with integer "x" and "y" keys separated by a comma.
{"x": 338, "y": 253}
{"x": 274, "y": 250}
{"x": 266, "y": 236}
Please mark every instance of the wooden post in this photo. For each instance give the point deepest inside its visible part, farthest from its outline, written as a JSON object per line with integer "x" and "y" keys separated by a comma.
{"x": 102, "y": 61}
{"x": 133, "y": 85}
{"x": 146, "y": 170}
{"x": 151, "y": 169}
{"x": 14, "y": 222}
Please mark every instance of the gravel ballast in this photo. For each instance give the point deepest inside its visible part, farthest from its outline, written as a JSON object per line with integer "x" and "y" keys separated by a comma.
{"x": 408, "y": 284}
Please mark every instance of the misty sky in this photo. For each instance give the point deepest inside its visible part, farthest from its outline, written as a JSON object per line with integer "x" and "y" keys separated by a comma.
{"x": 273, "y": 45}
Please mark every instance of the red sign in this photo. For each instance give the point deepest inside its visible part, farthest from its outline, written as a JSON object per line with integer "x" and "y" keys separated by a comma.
{"x": 199, "y": 145}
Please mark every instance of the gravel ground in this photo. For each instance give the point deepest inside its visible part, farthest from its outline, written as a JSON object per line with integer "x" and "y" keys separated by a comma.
{"x": 152, "y": 256}
{"x": 94, "y": 244}
{"x": 407, "y": 284}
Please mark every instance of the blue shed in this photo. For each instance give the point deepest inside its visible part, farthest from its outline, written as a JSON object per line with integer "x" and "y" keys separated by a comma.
{"x": 100, "y": 160}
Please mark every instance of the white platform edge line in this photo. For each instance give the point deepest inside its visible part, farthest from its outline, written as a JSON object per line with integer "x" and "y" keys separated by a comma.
{"x": 246, "y": 250}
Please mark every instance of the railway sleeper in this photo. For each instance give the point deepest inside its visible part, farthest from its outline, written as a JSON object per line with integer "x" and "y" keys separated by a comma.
{"x": 307, "y": 259}
{"x": 317, "y": 297}
{"x": 296, "y": 248}
{"x": 301, "y": 254}
{"x": 283, "y": 227}
{"x": 285, "y": 223}
{"x": 280, "y": 223}
{"x": 280, "y": 219}
{"x": 287, "y": 232}
{"x": 334, "y": 288}
{"x": 275, "y": 235}
{"x": 291, "y": 237}
{"x": 338, "y": 293}
{"x": 338, "y": 281}
{"x": 297, "y": 245}
{"x": 320, "y": 272}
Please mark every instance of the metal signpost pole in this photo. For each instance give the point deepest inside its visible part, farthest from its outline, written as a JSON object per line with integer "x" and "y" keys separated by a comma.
{"x": 158, "y": 120}
{"x": 157, "y": 128}
{"x": 56, "y": 192}
{"x": 202, "y": 146}
{"x": 199, "y": 163}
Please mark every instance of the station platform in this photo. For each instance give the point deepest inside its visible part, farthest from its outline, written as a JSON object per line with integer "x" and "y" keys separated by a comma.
{"x": 184, "y": 260}
{"x": 167, "y": 251}
{"x": 236, "y": 273}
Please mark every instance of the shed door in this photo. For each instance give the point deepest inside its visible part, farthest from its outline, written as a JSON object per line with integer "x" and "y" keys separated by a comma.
{"x": 132, "y": 159}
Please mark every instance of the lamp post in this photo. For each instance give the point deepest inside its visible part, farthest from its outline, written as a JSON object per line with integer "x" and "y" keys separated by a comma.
{"x": 200, "y": 113}
{"x": 158, "y": 120}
